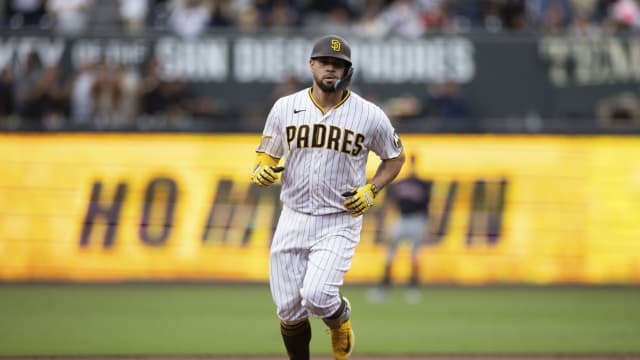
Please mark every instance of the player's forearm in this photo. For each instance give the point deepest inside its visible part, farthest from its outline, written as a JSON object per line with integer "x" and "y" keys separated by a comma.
{"x": 387, "y": 171}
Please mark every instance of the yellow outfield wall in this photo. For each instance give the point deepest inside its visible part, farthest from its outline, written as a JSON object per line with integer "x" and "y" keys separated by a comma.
{"x": 110, "y": 207}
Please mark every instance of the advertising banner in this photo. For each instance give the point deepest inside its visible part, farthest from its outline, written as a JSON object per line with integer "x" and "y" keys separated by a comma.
{"x": 504, "y": 209}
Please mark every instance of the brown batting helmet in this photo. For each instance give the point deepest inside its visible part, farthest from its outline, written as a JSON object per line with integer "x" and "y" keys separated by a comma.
{"x": 332, "y": 46}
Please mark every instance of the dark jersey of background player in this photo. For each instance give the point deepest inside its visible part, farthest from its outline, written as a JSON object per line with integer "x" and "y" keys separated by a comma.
{"x": 411, "y": 195}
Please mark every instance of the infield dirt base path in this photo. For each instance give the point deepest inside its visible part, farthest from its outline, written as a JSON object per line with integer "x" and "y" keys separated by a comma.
{"x": 460, "y": 357}
{"x": 355, "y": 357}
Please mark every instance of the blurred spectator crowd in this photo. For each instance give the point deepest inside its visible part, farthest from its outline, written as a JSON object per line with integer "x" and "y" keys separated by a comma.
{"x": 372, "y": 18}
{"x": 112, "y": 96}
{"x": 98, "y": 97}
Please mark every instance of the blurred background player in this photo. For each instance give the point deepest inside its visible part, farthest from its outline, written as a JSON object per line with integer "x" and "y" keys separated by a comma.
{"x": 411, "y": 196}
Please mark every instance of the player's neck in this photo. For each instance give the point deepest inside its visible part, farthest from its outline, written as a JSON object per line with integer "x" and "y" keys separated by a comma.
{"x": 326, "y": 99}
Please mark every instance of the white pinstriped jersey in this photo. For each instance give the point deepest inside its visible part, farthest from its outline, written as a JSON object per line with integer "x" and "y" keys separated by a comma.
{"x": 326, "y": 153}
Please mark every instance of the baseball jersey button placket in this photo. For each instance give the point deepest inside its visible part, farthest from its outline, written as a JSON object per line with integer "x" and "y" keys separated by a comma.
{"x": 315, "y": 168}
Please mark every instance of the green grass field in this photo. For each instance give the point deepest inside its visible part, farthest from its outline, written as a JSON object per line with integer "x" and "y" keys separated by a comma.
{"x": 232, "y": 319}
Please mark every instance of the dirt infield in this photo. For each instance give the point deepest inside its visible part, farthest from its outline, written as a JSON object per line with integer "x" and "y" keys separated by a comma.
{"x": 459, "y": 357}
{"x": 358, "y": 357}
{"x": 453, "y": 357}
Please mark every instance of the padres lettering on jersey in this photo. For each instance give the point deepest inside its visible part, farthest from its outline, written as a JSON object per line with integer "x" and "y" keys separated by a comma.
{"x": 326, "y": 153}
{"x": 317, "y": 136}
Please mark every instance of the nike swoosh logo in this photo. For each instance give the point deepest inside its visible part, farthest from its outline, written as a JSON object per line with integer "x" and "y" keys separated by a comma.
{"x": 348, "y": 347}
{"x": 297, "y": 111}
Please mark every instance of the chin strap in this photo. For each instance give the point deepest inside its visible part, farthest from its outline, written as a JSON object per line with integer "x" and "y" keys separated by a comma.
{"x": 345, "y": 81}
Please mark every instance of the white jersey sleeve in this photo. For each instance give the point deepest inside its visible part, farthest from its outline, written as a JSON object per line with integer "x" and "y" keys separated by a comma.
{"x": 386, "y": 142}
{"x": 272, "y": 141}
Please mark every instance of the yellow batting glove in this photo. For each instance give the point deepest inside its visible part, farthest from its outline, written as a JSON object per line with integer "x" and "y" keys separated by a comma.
{"x": 265, "y": 172}
{"x": 360, "y": 200}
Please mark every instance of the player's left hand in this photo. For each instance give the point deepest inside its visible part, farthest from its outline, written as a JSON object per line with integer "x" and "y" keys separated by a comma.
{"x": 360, "y": 200}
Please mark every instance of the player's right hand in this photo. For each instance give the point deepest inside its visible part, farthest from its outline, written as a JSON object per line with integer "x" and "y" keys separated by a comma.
{"x": 266, "y": 170}
{"x": 265, "y": 175}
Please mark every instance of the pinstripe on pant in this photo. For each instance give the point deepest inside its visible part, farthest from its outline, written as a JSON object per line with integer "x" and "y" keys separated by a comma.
{"x": 310, "y": 255}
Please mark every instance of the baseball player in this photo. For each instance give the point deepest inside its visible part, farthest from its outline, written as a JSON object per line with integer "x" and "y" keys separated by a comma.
{"x": 325, "y": 133}
{"x": 411, "y": 195}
